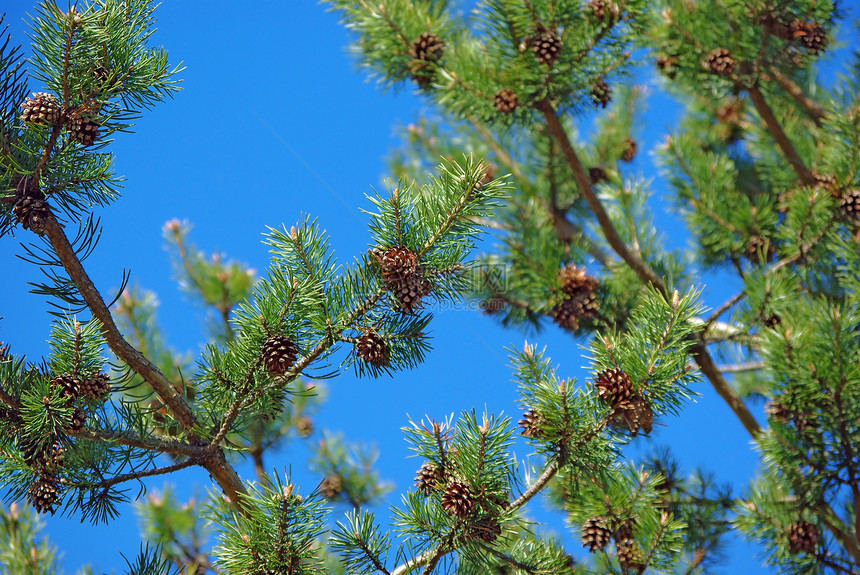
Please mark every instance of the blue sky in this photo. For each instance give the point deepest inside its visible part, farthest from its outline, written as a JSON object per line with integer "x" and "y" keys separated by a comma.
{"x": 275, "y": 120}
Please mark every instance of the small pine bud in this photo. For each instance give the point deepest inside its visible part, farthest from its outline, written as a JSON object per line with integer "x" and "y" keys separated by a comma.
{"x": 629, "y": 151}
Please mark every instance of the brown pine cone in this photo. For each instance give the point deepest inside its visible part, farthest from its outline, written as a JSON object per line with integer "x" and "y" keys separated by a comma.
{"x": 458, "y": 500}
{"x": 506, "y": 101}
{"x": 278, "y": 354}
{"x": 720, "y": 61}
{"x": 802, "y": 537}
{"x": 41, "y": 108}
{"x": 629, "y": 150}
{"x": 595, "y": 534}
{"x": 43, "y": 494}
{"x": 428, "y": 477}
{"x": 372, "y": 348}
{"x": 531, "y": 423}
{"x": 547, "y": 47}
{"x": 32, "y": 213}
{"x": 601, "y": 93}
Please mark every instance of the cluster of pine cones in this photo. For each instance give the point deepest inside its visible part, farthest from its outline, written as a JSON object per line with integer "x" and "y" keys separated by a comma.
{"x": 46, "y": 457}
{"x": 629, "y": 409}
{"x": 597, "y": 532}
{"x": 403, "y": 276}
{"x": 459, "y": 500}
{"x": 578, "y": 301}
{"x": 45, "y": 109}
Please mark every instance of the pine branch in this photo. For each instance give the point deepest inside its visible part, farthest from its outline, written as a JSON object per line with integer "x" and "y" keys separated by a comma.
{"x": 642, "y": 269}
{"x": 136, "y": 360}
{"x": 214, "y": 461}
{"x": 535, "y": 488}
{"x": 145, "y": 473}
{"x": 815, "y": 110}
{"x": 775, "y": 129}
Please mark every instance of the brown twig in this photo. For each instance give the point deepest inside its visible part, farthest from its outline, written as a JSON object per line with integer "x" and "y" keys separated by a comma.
{"x": 815, "y": 110}
{"x": 642, "y": 269}
{"x": 214, "y": 462}
{"x": 775, "y": 129}
{"x": 145, "y": 473}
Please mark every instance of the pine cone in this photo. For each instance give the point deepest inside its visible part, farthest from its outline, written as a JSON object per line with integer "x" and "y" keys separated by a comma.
{"x": 613, "y": 386}
{"x": 595, "y": 534}
{"x": 583, "y": 305}
{"x": 97, "y": 387}
{"x": 493, "y": 305}
{"x": 32, "y": 213}
{"x": 826, "y": 181}
{"x": 597, "y": 175}
{"x": 396, "y": 263}
{"x": 506, "y": 101}
{"x": 629, "y": 556}
{"x": 41, "y": 108}
{"x": 849, "y": 201}
{"x": 633, "y": 414}
{"x": 811, "y": 35}
{"x": 83, "y": 129}
{"x": 771, "y": 321}
{"x": 428, "y": 477}
{"x": 802, "y": 537}
{"x": 45, "y": 459}
{"x": 458, "y": 500}
{"x": 331, "y": 487}
{"x": 603, "y": 10}
{"x": 601, "y": 93}
{"x": 720, "y": 61}
{"x": 575, "y": 280}
{"x": 279, "y": 354}
{"x": 79, "y": 420}
{"x": 428, "y": 48}
{"x": 43, "y": 494}
{"x": 532, "y": 422}
{"x": 629, "y": 150}
{"x": 547, "y": 47}
{"x": 486, "y": 529}
{"x": 70, "y": 386}
{"x": 372, "y": 348}
{"x": 410, "y": 291}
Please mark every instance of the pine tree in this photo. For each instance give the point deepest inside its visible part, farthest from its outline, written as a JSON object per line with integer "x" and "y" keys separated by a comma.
{"x": 763, "y": 168}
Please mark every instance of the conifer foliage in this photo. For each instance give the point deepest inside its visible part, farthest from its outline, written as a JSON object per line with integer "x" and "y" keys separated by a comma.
{"x": 762, "y": 167}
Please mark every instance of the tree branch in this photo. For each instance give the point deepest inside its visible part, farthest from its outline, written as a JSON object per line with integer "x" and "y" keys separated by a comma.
{"x": 145, "y": 473}
{"x": 781, "y": 138}
{"x": 642, "y": 269}
{"x": 815, "y": 110}
{"x": 214, "y": 462}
